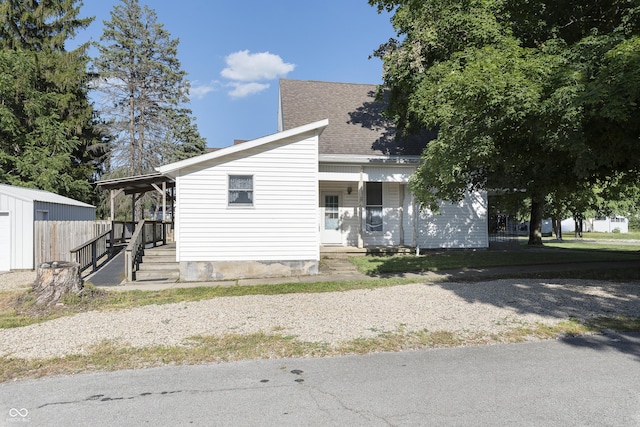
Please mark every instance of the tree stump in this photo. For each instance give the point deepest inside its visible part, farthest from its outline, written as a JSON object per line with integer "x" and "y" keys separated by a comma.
{"x": 56, "y": 279}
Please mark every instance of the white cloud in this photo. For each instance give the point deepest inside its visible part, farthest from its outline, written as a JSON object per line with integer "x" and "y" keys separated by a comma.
{"x": 250, "y": 67}
{"x": 241, "y": 90}
{"x": 198, "y": 91}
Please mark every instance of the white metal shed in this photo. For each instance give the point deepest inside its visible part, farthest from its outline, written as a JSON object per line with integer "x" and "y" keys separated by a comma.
{"x": 19, "y": 209}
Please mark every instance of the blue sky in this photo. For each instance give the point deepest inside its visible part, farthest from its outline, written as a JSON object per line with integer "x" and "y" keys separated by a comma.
{"x": 235, "y": 51}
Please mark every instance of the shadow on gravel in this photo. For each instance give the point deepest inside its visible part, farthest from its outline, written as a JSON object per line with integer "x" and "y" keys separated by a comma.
{"x": 559, "y": 299}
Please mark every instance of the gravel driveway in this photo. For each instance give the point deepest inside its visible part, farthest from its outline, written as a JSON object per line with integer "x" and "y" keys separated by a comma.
{"x": 333, "y": 318}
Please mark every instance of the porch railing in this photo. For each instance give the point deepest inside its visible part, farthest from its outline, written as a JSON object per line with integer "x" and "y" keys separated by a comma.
{"x": 146, "y": 233}
{"x": 122, "y": 230}
{"x": 95, "y": 252}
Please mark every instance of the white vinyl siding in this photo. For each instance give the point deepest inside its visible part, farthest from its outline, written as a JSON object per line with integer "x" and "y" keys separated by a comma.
{"x": 5, "y": 241}
{"x": 462, "y": 225}
{"x": 457, "y": 225}
{"x": 21, "y": 231}
{"x": 282, "y": 224}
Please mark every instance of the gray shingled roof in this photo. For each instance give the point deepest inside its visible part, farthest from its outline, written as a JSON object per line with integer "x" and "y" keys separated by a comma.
{"x": 356, "y": 125}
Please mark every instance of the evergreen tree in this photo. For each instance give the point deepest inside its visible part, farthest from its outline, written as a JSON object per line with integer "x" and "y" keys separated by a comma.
{"x": 184, "y": 133}
{"x": 143, "y": 90}
{"x": 48, "y": 137}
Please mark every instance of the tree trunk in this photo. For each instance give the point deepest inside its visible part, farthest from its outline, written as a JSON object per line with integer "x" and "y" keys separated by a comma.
{"x": 56, "y": 279}
{"x": 535, "y": 224}
{"x": 557, "y": 227}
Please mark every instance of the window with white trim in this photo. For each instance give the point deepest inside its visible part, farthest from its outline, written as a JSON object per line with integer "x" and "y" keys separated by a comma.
{"x": 373, "y": 195}
{"x": 240, "y": 190}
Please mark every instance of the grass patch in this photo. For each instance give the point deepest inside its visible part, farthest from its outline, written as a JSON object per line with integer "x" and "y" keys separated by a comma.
{"x": 109, "y": 356}
{"x": 454, "y": 259}
{"x": 18, "y": 308}
{"x": 631, "y": 235}
{"x": 618, "y": 323}
{"x": 593, "y": 246}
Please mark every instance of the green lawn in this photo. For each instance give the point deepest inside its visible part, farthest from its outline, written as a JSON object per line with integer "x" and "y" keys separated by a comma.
{"x": 551, "y": 253}
{"x": 631, "y": 235}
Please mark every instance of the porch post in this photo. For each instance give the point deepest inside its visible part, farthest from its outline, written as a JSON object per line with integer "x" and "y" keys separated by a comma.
{"x": 112, "y": 196}
{"x": 401, "y": 214}
{"x": 360, "y": 207}
{"x": 162, "y": 191}
{"x": 414, "y": 238}
{"x": 133, "y": 208}
{"x": 164, "y": 201}
{"x": 113, "y": 193}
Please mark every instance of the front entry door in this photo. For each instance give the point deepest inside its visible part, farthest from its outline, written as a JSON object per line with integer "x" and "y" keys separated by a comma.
{"x": 331, "y": 234}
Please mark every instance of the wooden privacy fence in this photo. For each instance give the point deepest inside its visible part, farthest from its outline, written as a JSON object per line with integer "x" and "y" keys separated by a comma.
{"x": 53, "y": 240}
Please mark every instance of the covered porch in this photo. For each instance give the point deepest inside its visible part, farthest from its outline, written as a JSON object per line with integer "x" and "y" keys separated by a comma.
{"x": 141, "y": 233}
{"x": 364, "y": 202}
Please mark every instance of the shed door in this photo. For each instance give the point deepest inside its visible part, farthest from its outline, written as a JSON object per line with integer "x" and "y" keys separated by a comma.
{"x": 5, "y": 242}
{"x": 330, "y": 234}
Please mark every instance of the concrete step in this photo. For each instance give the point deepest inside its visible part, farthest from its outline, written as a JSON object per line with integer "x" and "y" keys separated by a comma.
{"x": 160, "y": 251}
{"x": 145, "y": 265}
{"x": 149, "y": 258}
{"x": 159, "y": 265}
{"x": 157, "y": 276}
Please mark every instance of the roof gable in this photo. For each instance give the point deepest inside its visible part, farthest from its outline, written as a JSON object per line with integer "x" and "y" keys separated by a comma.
{"x": 31, "y": 195}
{"x": 356, "y": 127}
{"x": 310, "y": 128}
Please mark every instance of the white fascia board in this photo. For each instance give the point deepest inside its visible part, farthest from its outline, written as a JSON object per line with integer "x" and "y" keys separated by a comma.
{"x": 316, "y": 127}
{"x": 368, "y": 160}
{"x": 35, "y": 195}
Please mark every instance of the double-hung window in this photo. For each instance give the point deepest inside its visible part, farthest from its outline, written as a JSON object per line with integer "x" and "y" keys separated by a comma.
{"x": 240, "y": 190}
{"x": 374, "y": 206}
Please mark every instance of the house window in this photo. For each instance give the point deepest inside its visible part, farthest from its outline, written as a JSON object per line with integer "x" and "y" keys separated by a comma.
{"x": 374, "y": 206}
{"x": 241, "y": 190}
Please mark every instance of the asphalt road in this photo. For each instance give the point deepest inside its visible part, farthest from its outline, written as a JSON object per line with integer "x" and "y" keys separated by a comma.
{"x": 588, "y": 381}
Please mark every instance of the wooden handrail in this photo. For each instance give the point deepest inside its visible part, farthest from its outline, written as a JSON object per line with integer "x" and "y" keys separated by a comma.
{"x": 146, "y": 232}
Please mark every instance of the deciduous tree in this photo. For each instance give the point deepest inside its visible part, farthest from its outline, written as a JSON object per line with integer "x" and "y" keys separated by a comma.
{"x": 535, "y": 97}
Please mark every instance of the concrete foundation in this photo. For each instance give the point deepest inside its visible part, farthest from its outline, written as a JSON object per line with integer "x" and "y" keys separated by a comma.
{"x": 205, "y": 271}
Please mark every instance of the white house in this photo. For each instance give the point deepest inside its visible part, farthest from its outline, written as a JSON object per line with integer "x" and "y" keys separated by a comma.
{"x": 607, "y": 224}
{"x": 19, "y": 209}
{"x": 331, "y": 176}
